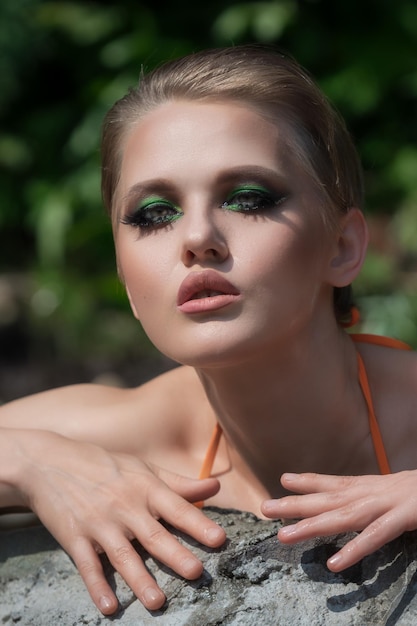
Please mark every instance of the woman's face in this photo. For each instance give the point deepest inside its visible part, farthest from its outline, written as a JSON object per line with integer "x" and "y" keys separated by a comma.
{"x": 219, "y": 234}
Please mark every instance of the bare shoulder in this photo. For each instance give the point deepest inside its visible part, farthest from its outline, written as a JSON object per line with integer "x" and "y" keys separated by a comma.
{"x": 128, "y": 420}
{"x": 392, "y": 376}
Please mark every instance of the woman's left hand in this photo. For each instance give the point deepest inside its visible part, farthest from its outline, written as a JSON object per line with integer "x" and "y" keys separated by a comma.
{"x": 382, "y": 507}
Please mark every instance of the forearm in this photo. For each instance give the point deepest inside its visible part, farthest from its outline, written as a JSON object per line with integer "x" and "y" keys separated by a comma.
{"x": 78, "y": 412}
{"x": 116, "y": 419}
{"x": 49, "y": 410}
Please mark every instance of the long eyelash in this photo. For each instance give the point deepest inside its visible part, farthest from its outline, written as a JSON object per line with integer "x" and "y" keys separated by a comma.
{"x": 136, "y": 219}
{"x": 140, "y": 218}
{"x": 129, "y": 220}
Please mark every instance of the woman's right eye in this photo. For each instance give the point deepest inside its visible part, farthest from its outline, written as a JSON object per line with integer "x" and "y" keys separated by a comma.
{"x": 152, "y": 213}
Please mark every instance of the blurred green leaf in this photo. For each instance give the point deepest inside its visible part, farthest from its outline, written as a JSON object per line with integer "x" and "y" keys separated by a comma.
{"x": 85, "y": 23}
{"x": 14, "y": 153}
{"x": 266, "y": 21}
{"x": 393, "y": 316}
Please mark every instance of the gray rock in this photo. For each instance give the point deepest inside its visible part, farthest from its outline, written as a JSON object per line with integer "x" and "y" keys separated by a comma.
{"x": 252, "y": 580}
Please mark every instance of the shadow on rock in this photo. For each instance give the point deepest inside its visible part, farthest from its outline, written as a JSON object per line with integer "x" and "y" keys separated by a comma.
{"x": 374, "y": 575}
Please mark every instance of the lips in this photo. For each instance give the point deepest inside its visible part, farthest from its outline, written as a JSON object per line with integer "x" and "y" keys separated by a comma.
{"x": 205, "y": 291}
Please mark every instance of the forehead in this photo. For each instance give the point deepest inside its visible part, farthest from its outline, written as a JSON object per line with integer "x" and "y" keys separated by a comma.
{"x": 209, "y": 133}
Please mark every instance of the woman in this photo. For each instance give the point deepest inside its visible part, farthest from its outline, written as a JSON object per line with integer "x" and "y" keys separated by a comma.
{"x": 235, "y": 195}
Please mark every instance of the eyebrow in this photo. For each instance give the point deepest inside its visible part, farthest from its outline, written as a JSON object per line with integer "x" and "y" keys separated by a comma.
{"x": 251, "y": 171}
{"x": 139, "y": 189}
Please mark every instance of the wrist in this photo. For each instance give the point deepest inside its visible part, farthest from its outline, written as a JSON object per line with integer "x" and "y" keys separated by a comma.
{"x": 16, "y": 452}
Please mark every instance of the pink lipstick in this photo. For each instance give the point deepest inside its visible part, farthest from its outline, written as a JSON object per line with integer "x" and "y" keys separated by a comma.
{"x": 205, "y": 291}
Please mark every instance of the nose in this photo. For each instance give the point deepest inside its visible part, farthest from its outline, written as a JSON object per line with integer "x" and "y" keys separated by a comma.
{"x": 203, "y": 241}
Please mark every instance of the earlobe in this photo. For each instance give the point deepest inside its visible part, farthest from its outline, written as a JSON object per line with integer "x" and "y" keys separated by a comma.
{"x": 351, "y": 245}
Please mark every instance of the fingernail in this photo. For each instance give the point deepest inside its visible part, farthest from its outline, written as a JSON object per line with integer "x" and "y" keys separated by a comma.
{"x": 287, "y": 531}
{"x": 214, "y": 535}
{"x": 289, "y": 477}
{"x": 335, "y": 559}
{"x": 105, "y": 604}
{"x": 189, "y": 566}
{"x": 152, "y": 595}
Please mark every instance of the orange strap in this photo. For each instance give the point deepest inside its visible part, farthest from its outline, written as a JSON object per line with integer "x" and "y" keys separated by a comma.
{"x": 210, "y": 455}
{"x": 208, "y": 462}
{"x": 379, "y": 448}
{"x": 377, "y": 440}
{"x": 379, "y": 340}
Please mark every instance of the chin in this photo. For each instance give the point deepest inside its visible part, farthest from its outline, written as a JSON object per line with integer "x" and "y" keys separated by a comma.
{"x": 209, "y": 344}
{"x": 219, "y": 354}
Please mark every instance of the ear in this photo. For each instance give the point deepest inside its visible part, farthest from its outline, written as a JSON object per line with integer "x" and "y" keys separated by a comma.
{"x": 350, "y": 249}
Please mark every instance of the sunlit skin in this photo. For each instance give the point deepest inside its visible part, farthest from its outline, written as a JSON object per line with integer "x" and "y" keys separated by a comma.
{"x": 192, "y": 156}
{"x": 222, "y": 248}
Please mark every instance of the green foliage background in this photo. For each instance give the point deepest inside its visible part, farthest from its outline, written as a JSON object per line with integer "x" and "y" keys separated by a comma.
{"x": 63, "y": 314}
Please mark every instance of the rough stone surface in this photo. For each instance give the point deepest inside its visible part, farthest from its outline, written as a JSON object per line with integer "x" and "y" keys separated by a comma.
{"x": 252, "y": 580}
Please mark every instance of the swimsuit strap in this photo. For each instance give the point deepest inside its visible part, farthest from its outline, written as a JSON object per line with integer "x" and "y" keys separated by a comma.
{"x": 211, "y": 452}
{"x": 209, "y": 457}
{"x": 380, "y": 453}
{"x": 379, "y": 448}
{"x": 379, "y": 340}
{"x": 388, "y": 342}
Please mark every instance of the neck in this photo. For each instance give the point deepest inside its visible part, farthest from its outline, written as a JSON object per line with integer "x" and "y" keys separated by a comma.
{"x": 303, "y": 411}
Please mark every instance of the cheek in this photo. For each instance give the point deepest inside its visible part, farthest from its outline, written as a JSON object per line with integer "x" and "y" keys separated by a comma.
{"x": 133, "y": 269}
{"x": 143, "y": 268}
{"x": 284, "y": 252}
{"x": 291, "y": 264}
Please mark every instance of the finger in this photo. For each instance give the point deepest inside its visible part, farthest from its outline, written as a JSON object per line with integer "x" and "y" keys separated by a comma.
{"x": 372, "y": 538}
{"x": 131, "y": 568}
{"x": 352, "y": 517}
{"x": 189, "y": 488}
{"x": 315, "y": 483}
{"x": 191, "y": 520}
{"x": 167, "y": 549}
{"x": 91, "y": 571}
{"x": 294, "y": 507}
{"x": 310, "y": 505}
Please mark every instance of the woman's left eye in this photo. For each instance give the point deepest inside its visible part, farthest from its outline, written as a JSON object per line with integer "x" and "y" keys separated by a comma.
{"x": 247, "y": 199}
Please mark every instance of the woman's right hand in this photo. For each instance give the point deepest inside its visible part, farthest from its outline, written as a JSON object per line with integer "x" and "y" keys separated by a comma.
{"x": 94, "y": 501}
